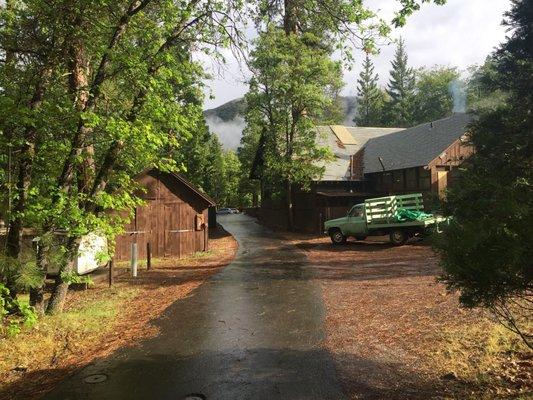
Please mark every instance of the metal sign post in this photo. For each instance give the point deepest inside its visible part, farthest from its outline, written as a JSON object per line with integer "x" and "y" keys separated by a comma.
{"x": 134, "y": 260}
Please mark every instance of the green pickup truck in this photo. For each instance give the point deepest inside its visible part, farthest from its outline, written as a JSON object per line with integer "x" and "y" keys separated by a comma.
{"x": 400, "y": 217}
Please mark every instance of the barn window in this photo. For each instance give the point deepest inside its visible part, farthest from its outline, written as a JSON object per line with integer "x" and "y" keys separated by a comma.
{"x": 199, "y": 222}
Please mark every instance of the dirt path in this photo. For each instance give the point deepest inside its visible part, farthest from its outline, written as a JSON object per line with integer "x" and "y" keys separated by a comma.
{"x": 253, "y": 331}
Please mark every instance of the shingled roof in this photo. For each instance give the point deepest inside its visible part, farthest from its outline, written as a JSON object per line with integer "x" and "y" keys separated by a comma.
{"x": 344, "y": 141}
{"x": 413, "y": 147}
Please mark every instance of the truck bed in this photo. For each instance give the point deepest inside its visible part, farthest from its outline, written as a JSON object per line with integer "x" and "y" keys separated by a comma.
{"x": 381, "y": 212}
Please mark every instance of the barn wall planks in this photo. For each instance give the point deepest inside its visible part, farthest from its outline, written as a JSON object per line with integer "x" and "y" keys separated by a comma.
{"x": 167, "y": 221}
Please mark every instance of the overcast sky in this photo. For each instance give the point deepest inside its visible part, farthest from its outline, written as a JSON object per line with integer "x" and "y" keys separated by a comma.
{"x": 460, "y": 33}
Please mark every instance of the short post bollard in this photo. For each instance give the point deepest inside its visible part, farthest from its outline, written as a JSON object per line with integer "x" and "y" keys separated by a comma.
{"x": 134, "y": 260}
{"x": 111, "y": 271}
{"x": 148, "y": 257}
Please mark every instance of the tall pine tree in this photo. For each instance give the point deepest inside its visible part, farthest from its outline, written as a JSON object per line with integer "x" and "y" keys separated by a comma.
{"x": 370, "y": 97}
{"x": 488, "y": 247}
{"x": 399, "y": 110}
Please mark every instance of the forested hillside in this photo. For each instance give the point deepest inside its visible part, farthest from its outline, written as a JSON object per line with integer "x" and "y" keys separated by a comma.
{"x": 228, "y": 123}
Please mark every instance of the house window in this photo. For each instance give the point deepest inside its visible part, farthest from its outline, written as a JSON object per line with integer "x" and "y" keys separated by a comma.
{"x": 398, "y": 180}
{"x": 387, "y": 181}
{"x": 410, "y": 179}
{"x": 424, "y": 181}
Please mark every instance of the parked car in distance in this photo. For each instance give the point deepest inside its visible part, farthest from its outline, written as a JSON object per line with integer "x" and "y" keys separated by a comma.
{"x": 383, "y": 216}
{"x": 224, "y": 211}
{"x": 234, "y": 211}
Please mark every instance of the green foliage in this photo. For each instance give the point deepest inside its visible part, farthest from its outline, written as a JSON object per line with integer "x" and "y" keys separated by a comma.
{"x": 232, "y": 177}
{"x": 399, "y": 109}
{"x": 72, "y": 277}
{"x": 293, "y": 77}
{"x": 212, "y": 169}
{"x": 14, "y": 314}
{"x": 412, "y": 97}
{"x": 92, "y": 94}
{"x": 199, "y": 157}
{"x": 370, "y": 98}
{"x": 433, "y": 99}
{"x": 408, "y": 8}
{"x": 19, "y": 274}
{"x": 251, "y": 166}
{"x": 482, "y": 89}
{"x": 487, "y": 251}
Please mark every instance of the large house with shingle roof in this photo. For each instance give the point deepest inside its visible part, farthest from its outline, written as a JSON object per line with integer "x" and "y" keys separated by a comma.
{"x": 334, "y": 191}
{"x": 423, "y": 158}
{"x": 372, "y": 162}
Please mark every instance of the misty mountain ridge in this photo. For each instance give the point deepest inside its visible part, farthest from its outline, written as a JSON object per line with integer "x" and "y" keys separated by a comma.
{"x": 227, "y": 120}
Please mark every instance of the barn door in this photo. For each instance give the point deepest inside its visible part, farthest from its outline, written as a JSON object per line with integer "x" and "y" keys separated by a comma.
{"x": 176, "y": 230}
{"x": 172, "y": 239}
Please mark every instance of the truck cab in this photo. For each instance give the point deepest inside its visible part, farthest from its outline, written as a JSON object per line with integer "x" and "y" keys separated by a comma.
{"x": 354, "y": 224}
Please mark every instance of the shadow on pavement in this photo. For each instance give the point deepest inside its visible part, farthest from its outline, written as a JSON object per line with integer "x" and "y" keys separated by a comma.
{"x": 258, "y": 374}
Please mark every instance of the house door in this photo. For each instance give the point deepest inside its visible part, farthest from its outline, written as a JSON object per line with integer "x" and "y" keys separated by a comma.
{"x": 442, "y": 182}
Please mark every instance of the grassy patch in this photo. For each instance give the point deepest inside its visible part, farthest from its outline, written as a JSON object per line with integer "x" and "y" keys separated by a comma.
{"x": 69, "y": 333}
{"x": 488, "y": 357}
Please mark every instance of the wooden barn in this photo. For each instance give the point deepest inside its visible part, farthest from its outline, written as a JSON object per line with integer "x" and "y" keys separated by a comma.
{"x": 174, "y": 220}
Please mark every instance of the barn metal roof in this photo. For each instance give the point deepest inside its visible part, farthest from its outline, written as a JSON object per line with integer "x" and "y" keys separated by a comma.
{"x": 343, "y": 142}
{"x": 414, "y": 147}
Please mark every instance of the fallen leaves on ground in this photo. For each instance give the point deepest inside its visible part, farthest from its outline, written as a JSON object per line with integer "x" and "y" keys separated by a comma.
{"x": 396, "y": 333}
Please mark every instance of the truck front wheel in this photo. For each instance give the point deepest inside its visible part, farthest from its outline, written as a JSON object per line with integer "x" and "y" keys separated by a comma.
{"x": 337, "y": 237}
{"x": 398, "y": 237}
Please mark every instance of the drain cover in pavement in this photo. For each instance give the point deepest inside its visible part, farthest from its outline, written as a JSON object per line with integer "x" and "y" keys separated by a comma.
{"x": 96, "y": 378}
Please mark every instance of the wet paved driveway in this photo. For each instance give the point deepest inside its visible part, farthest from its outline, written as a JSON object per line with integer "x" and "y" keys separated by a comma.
{"x": 254, "y": 331}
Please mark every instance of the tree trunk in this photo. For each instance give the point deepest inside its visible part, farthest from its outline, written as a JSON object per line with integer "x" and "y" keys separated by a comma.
{"x": 255, "y": 197}
{"x": 37, "y": 293}
{"x": 14, "y": 234}
{"x": 290, "y": 214}
{"x": 59, "y": 296}
{"x": 290, "y": 18}
{"x": 27, "y": 154}
{"x": 37, "y": 299}
{"x": 61, "y": 284}
{"x": 25, "y": 165}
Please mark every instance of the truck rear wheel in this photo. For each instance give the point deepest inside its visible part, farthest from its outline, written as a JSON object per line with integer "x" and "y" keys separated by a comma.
{"x": 337, "y": 237}
{"x": 398, "y": 237}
